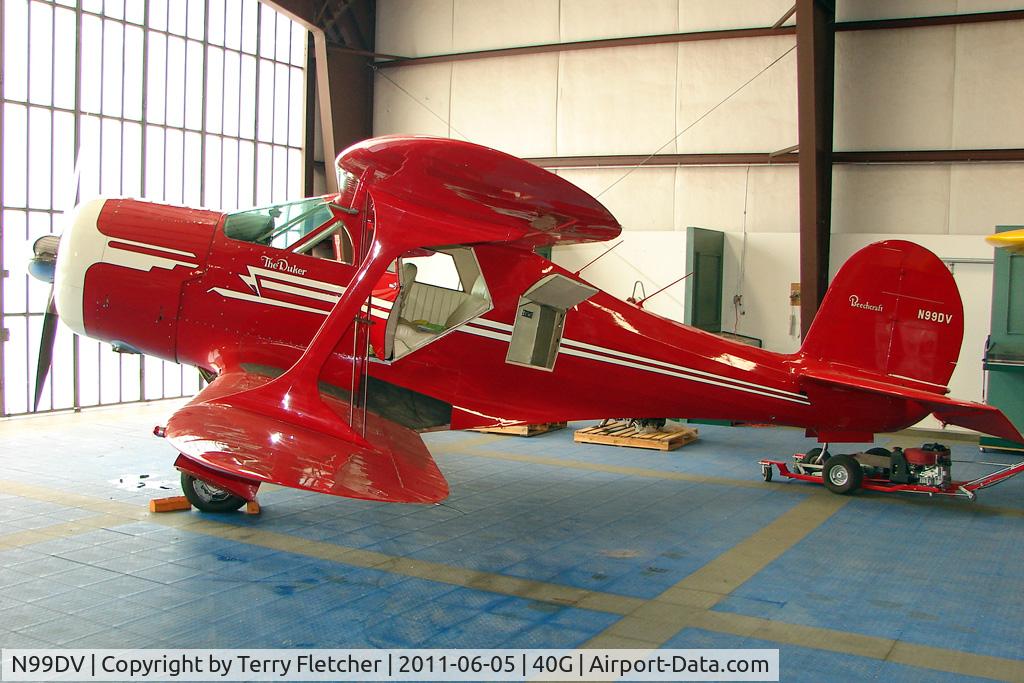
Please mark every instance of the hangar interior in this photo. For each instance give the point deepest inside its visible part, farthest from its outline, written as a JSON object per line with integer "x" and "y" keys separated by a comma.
{"x": 903, "y": 121}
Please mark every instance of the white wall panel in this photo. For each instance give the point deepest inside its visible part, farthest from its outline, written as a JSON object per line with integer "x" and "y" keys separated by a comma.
{"x": 710, "y": 197}
{"x": 984, "y": 196}
{"x": 591, "y": 19}
{"x": 773, "y": 201}
{"x": 857, "y": 10}
{"x": 507, "y": 103}
{"x": 894, "y": 89}
{"x": 413, "y": 99}
{"x": 891, "y": 199}
{"x": 966, "y": 6}
{"x": 617, "y": 100}
{"x": 768, "y": 269}
{"x": 413, "y": 28}
{"x": 713, "y": 15}
{"x": 488, "y": 24}
{"x": 760, "y": 118}
{"x": 641, "y": 200}
{"x": 990, "y": 85}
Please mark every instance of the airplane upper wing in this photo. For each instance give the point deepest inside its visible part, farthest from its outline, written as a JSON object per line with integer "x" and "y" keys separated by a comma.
{"x": 220, "y": 434}
{"x": 477, "y": 194}
{"x": 977, "y": 416}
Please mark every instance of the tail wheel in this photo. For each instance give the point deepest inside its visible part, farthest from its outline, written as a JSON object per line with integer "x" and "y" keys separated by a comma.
{"x": 813, "y": 456}
{"x": 842, "y": 474}
{"x": 206, "y": 497}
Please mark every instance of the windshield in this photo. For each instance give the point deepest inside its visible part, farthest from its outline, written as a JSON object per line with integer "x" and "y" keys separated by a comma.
{"x": 280, "y": 225}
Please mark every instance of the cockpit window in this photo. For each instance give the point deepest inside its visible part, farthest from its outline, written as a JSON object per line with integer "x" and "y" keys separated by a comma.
{"x": 306, "y": 227}
{"x": 280, "y": 225}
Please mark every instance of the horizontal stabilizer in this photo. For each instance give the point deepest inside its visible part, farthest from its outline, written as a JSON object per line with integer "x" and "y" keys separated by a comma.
{"x": 976, "y": 416}
{"x": 392, "y": 465}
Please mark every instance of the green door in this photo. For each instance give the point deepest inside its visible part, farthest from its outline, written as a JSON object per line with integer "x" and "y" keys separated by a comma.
{"x": 705, "y": 251}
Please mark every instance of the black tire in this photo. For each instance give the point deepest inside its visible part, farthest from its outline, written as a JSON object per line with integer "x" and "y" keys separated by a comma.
{"x": 842, "y": 474}
{"x": 879, "y": 451}
{"x": 811, "y": 456}
{"x": 766, "y": 472}
{"x": 207, "y": 497}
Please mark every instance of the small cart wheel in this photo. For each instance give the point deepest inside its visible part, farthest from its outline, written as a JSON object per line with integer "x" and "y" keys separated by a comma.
{"x": 207, "y": 497}
{"x": 766, "y": 472}
{"x": 842, "y": 474}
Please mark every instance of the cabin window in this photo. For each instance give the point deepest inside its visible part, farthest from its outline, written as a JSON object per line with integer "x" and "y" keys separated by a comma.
{"x": 305, "y": 227}
{"x": 540, "y": 319}
{"x": 437, "y": 270}
{"x": 438, "y": 292}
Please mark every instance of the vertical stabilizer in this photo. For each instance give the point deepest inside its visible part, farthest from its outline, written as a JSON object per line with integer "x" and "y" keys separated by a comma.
{"x": 893, "y": 309}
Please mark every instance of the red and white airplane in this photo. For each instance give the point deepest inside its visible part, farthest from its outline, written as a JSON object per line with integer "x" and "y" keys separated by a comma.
{"x": 337, "y": 328}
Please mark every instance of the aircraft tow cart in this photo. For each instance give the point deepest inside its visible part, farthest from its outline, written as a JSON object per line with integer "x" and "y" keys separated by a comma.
{"x": 913, "y": 470}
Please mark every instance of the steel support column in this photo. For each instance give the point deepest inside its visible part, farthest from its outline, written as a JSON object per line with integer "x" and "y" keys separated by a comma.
{"x": 344, "y": 87}
{"x": 351, "y": 102}
{"x": 815, "y": 41}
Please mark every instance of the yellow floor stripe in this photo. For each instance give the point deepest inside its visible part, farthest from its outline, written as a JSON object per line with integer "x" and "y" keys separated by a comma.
{"x": 18, "y": 539}
{"x": 700, "y": 591}
{"x": 900, "y": 652}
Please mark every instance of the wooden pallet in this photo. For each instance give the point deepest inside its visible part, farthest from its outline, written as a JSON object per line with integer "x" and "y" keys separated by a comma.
{"x": 524, "y": 430}
{"x": 621, "y": 434}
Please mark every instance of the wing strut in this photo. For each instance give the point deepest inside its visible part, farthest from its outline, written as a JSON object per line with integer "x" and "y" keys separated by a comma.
{"x": 361, "y": 337}
{"x": 295, "y": 395}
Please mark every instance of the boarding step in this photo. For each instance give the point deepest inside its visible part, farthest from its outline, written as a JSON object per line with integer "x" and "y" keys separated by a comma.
{"x": 524, "y": 430}
{"x": 621, "y": 434}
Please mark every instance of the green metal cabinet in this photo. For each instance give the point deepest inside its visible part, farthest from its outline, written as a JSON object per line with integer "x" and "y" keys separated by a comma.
{"x": 1004, "y": 355}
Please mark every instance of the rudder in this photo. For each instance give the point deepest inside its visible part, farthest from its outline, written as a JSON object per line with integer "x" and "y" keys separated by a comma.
{"x": 893, "y": 308}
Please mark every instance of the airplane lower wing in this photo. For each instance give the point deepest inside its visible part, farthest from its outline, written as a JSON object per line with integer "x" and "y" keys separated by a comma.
{"x": 977, "y": 416}
{"x": 216, "y": 432}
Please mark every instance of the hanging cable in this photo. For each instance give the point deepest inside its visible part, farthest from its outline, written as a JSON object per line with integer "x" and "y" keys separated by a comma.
{"x": 699, "y": 119}
{"x": 415, "y": 99}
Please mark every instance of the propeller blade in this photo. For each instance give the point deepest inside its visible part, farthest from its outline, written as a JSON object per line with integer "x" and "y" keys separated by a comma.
{"x": 46, "y": 343}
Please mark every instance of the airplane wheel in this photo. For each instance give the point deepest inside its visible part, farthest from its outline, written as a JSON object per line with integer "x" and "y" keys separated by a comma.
{"x": 207, "y": 497}
{"x": 879, "y": 451}
{"x": 811, "y": 456}
{"x": 766, "y": 472}
{"x": 842, "y": 474}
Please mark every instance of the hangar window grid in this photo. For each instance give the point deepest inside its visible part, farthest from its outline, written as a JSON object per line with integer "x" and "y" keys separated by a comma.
{"x": 197, "y": 102}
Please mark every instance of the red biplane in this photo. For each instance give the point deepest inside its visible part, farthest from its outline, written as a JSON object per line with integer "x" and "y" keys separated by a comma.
{"x": 335, "y": 329}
